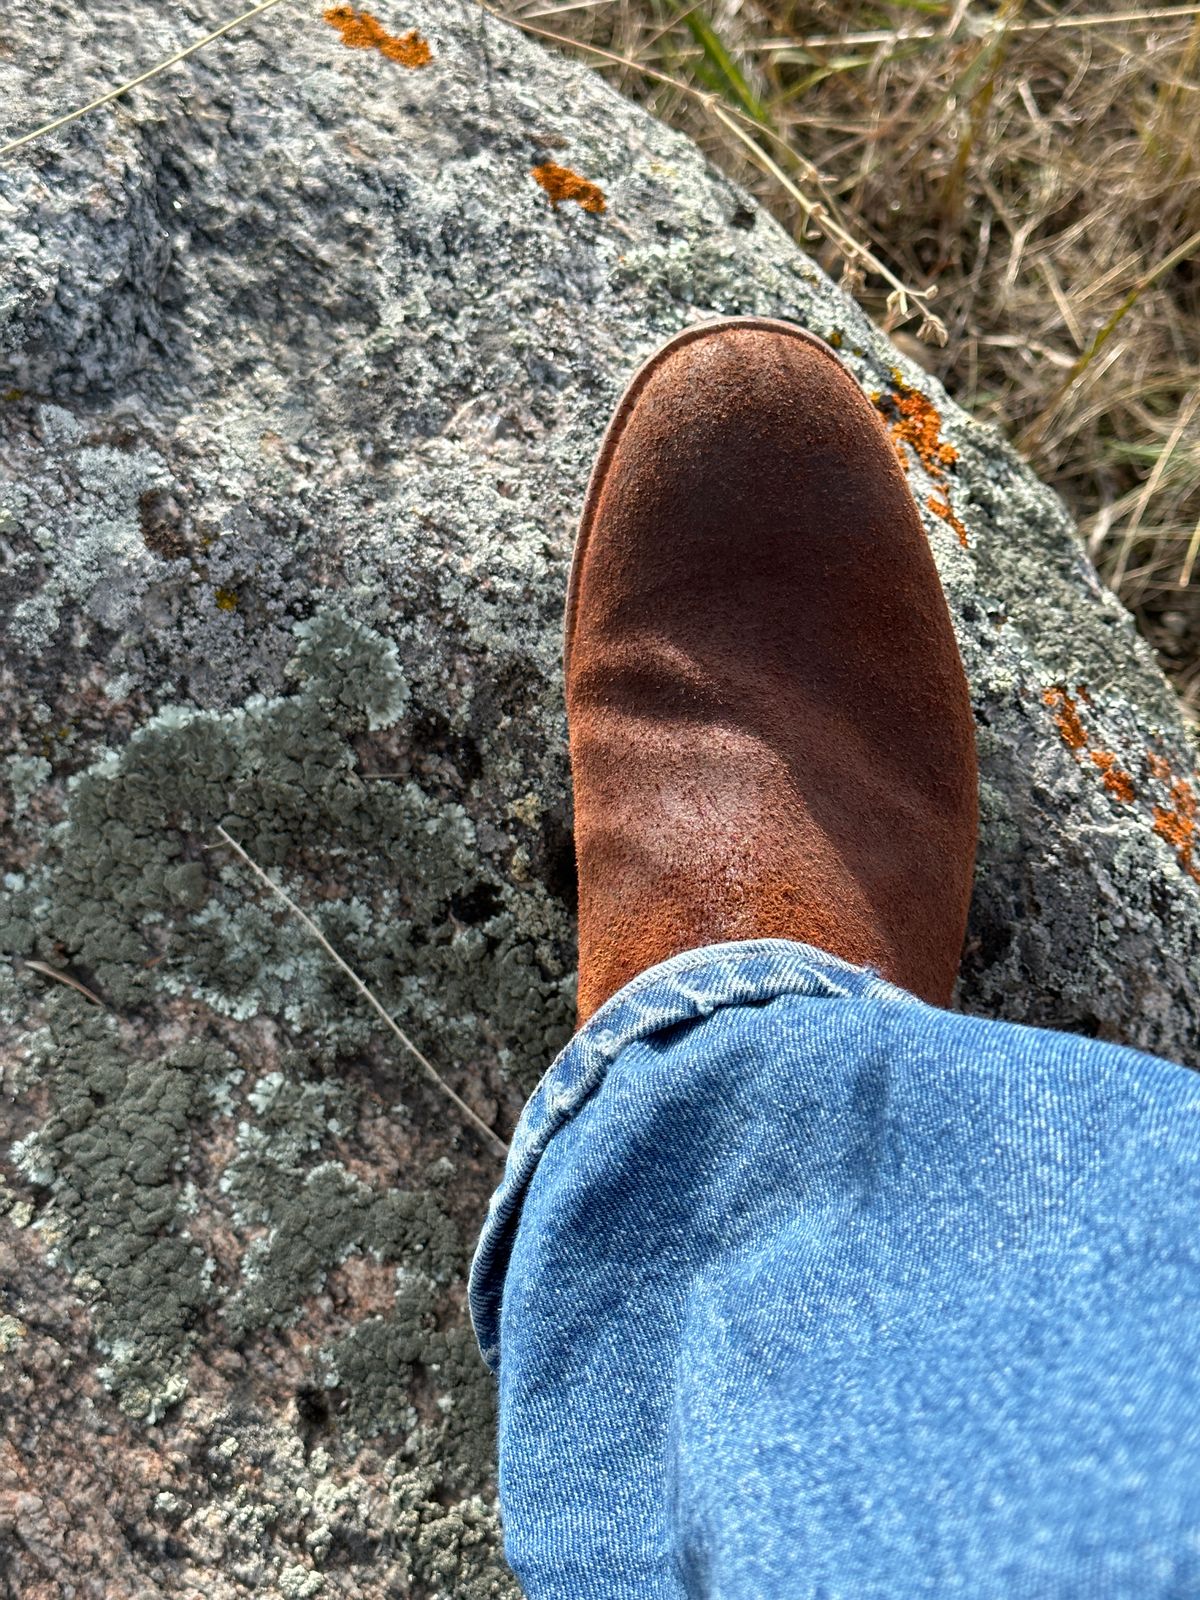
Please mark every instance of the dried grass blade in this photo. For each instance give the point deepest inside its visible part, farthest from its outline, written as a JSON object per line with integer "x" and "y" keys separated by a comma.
{"x": 491, "y": 1139}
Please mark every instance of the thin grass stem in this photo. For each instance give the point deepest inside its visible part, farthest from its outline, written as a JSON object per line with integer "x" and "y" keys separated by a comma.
{"x": 492, "y": 1140}
{"x": 1187, "y": 412}
{"x": 152, "y": 72}
{"x": 1033, "y": 434}
{"x": 829, "y": 41}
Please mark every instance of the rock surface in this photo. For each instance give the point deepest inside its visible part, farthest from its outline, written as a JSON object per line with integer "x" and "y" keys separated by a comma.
{"x": 301, "y": 374}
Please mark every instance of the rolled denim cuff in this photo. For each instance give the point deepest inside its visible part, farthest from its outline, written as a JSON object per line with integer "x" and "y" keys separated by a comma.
{"x": 683, "y": 988}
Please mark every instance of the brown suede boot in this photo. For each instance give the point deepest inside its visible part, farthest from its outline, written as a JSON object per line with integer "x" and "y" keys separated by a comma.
{"x": 771, "y": 735}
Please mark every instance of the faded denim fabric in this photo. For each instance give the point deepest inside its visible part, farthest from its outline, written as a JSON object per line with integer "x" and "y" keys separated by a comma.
{"x": 798, "y": 1286}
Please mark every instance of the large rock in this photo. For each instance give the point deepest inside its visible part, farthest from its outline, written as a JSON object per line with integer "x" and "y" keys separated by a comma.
{"x": 302, "y": 376}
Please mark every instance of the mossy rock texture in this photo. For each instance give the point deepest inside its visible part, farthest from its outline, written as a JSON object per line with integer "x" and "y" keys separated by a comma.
{"x": 302, "y": 371}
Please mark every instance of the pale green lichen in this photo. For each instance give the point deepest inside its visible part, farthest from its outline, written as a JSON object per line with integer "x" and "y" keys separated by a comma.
{"x": 445, "y": 1548}
{"x": 299, "y": 1583}
{"x": 351, "y": 672}
{"x": 12, "y": 1331}
{"x": 92, "y": 556}
{"x": 130, "y": 895}
{"x": 25, "y": 775}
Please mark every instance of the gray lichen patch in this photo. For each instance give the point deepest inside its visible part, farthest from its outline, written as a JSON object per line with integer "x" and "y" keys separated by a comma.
{"x": 375, "y": 1365}
{"x": 314, "y": 1219}
{"x": 414, "y": 1356}
{"x": 130, "y": 889}
{"x": 445, "y": 1548}
{"x": 276, "y": 1519}
{"x": 108, "y": 1166}
{"x": 110, "y": 1153}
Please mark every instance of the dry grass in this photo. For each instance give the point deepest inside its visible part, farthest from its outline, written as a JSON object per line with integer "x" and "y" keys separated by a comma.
{"x": 1039, "y": 165}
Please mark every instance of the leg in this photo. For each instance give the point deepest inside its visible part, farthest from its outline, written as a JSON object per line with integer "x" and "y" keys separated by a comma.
{"x": 797, "y": 1284}
{"x": 800, "y": 1287}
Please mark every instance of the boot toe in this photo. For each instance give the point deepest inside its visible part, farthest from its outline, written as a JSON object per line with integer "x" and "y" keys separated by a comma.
{"x": 728, "y": 399}
{"x": 746, "y": 470}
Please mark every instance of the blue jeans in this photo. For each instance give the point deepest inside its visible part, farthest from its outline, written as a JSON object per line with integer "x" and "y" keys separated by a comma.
{"x": 798, "y": 1286}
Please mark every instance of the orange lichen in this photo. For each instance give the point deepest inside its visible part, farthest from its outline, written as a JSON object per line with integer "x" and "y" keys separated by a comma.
{"x": 226, "y": 599}
{"x": 1066, "y": 716}
{"x": 361, "y": 31}
{"x": 1178, "y": 825}
{"x": 1158, "y": 767}
{"x": 942, "y": 508}
{"x": 1116, "y": 780}
{"x": 915, "y": 424}
{"x": 560, "y": 183}
{"x": 918, "y": 425}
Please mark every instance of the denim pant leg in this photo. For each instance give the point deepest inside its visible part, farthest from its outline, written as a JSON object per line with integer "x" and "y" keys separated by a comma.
{"x": 798, "y": 1286}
